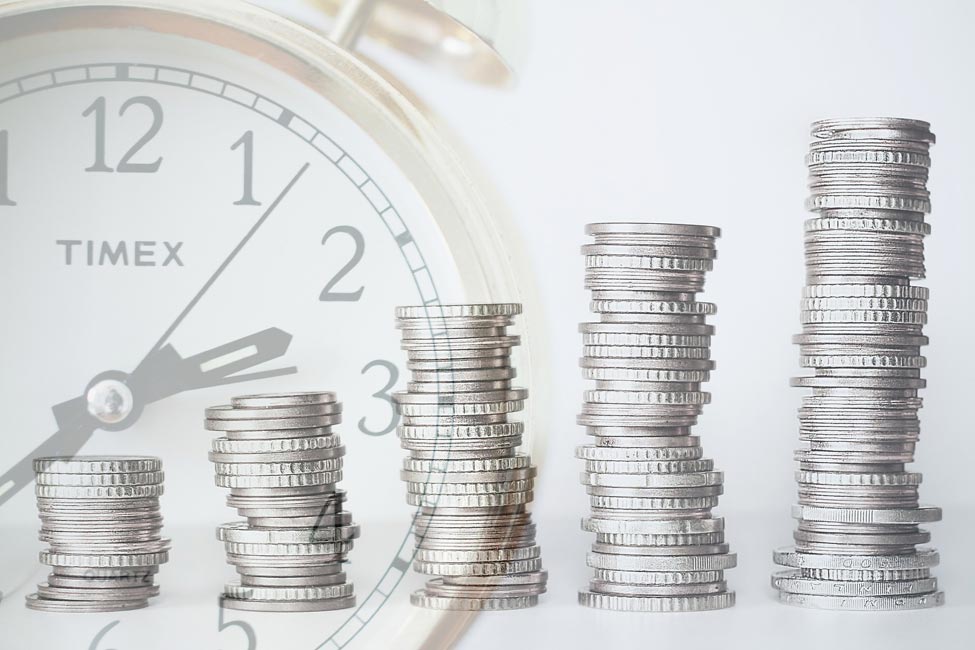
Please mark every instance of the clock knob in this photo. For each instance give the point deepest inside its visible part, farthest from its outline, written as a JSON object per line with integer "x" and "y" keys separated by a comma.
{"x": 110, "y": 401}
{"x": 482, "y": 41}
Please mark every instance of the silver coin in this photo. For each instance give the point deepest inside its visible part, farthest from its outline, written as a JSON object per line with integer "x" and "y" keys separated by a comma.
{"x": 288, "y": 606}
{"x": 687, "y": 589}
{"x": 421, "y": 599}
{"x": 97, "y": 464}
{"x": 869, "y": 603}
{"x": 244, "y": 534}
{"x": 97, "y": 595}
{"x": 615, "y": 562}
{"x": 658, "y": 603}
{"x": 287, "y": 594}
{"x": 45, "y": 605}
{"x": 794, "y": 583}
{"x": 437, "y": 588}
{"x": 279, "y": 400}
{"x": 293, "y": 581}
{"x": 281, "y": 424}
{"x": 273, "y": 412}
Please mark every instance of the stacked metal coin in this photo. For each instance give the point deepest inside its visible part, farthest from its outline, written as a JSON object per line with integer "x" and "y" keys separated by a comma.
{"x": 858, "y": 511}
{"x": 281, "y": 460}
{"x": 471, "y": 487}
{"x": 658, "y": 548}
{"x": 100, "y": 518}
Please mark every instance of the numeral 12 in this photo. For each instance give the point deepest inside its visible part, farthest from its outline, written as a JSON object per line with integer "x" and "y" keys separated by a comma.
{"x": 4, "y": 161}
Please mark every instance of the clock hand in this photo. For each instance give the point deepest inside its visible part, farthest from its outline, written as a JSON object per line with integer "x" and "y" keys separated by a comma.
{"x": 230, "y": 258}
{"x": 66, "y": 442}
{"x": 69, "y": 439}
{"x": 115, "y": 400}
{"x": 165, "y": 372}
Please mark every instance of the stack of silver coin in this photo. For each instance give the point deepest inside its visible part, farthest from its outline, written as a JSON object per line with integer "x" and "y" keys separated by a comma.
{"x": 658, "y": 548}
{"x": 470, "y": 485}
{"x": 281, "y": 460}
{"x": 100, "y": 518}
{"x": 858, "y": 511}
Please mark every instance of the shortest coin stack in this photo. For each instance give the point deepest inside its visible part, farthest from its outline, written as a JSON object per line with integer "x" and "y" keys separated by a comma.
{"x": 281, "y": 461}
{"x": 100, "y": 518}
{"x": 472, "y": 488}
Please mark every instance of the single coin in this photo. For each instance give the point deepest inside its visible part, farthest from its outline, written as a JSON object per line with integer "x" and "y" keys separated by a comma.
{"x": 99, "y": 480}
{"x": 292, "y": 549}
{"x": 459, "y": 311}
{"x": 924, "y": 558}
{"x": 288, "y": 594}
{"x": 436, "y": 587}
{"x": 243, "y": 533}
{"x": 478, "y": 568}
{"x": 919, "y": 515}
{"x": 515, "y": 579}
{"x": 283, "y": 400}
{"x": 45, "y": 605}
{"x": 97, "y": 464}
{"x": 869, "y": 603}
{"x": 794, "y": 583}
{"x": 420, "y": 598}
{"x": 478, "y": 556}
{"x": 82, "y": 594}
{"x": 293, "y": 581}
{"x": 288, "y": 606}
{"x": 653, "y": 526}
{"x": 614, "y": 562}
{"x": 683, "y": 480}
{"x": 98, "y": 492}
{"x": 315, "y": 570}
{"x": 308, "y": 521}
{"x": 272, "y": 413}
{"x": 70, "y": 582}
{"x": 652, "y": 578}
{"x": 259, "y": 425}
{"x": 657, "y": 604}
{"x": 688, "y": 589}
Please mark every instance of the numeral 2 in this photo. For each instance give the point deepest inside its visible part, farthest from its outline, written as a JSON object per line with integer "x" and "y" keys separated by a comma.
{"x": 4, "y": 162}
{"x": 328, "y": 293}
{"x": 125, "y": 165}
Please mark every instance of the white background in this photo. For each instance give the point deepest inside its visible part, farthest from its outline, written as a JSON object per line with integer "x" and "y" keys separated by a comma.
{"x": 698, "y": 112}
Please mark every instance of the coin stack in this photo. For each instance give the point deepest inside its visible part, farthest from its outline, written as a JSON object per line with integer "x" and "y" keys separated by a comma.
{"x": 282, "y": 461}
{"x": 100, "y": 517}
{"x": 471, "y": 487}
{"x": 658, "y": 548}
{"x": 856, "y": 542}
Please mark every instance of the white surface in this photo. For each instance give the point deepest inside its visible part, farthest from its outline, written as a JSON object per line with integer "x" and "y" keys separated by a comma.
{"x": 698, "y": 112}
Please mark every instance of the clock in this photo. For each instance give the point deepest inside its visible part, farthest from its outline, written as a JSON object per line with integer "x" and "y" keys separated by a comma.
{"x": 204, "y": 199}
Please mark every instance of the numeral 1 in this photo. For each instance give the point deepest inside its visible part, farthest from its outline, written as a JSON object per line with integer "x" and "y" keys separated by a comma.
{"x": 98, "y": 108}
{"x": 247, "y": 141}
{"x": 4, "y": 162}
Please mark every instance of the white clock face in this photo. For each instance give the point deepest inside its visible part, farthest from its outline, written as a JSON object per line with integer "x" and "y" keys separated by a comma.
{"x": 161, "y": 195}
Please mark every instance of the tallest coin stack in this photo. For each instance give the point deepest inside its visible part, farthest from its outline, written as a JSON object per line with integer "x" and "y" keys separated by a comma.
{"x": 858, "y": 511}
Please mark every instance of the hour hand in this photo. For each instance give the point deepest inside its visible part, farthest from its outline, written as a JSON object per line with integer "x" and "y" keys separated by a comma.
{"x": 166, "y": 373}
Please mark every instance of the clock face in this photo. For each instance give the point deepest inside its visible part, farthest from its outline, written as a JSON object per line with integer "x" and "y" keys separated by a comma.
{"x": 185, "y": 215}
